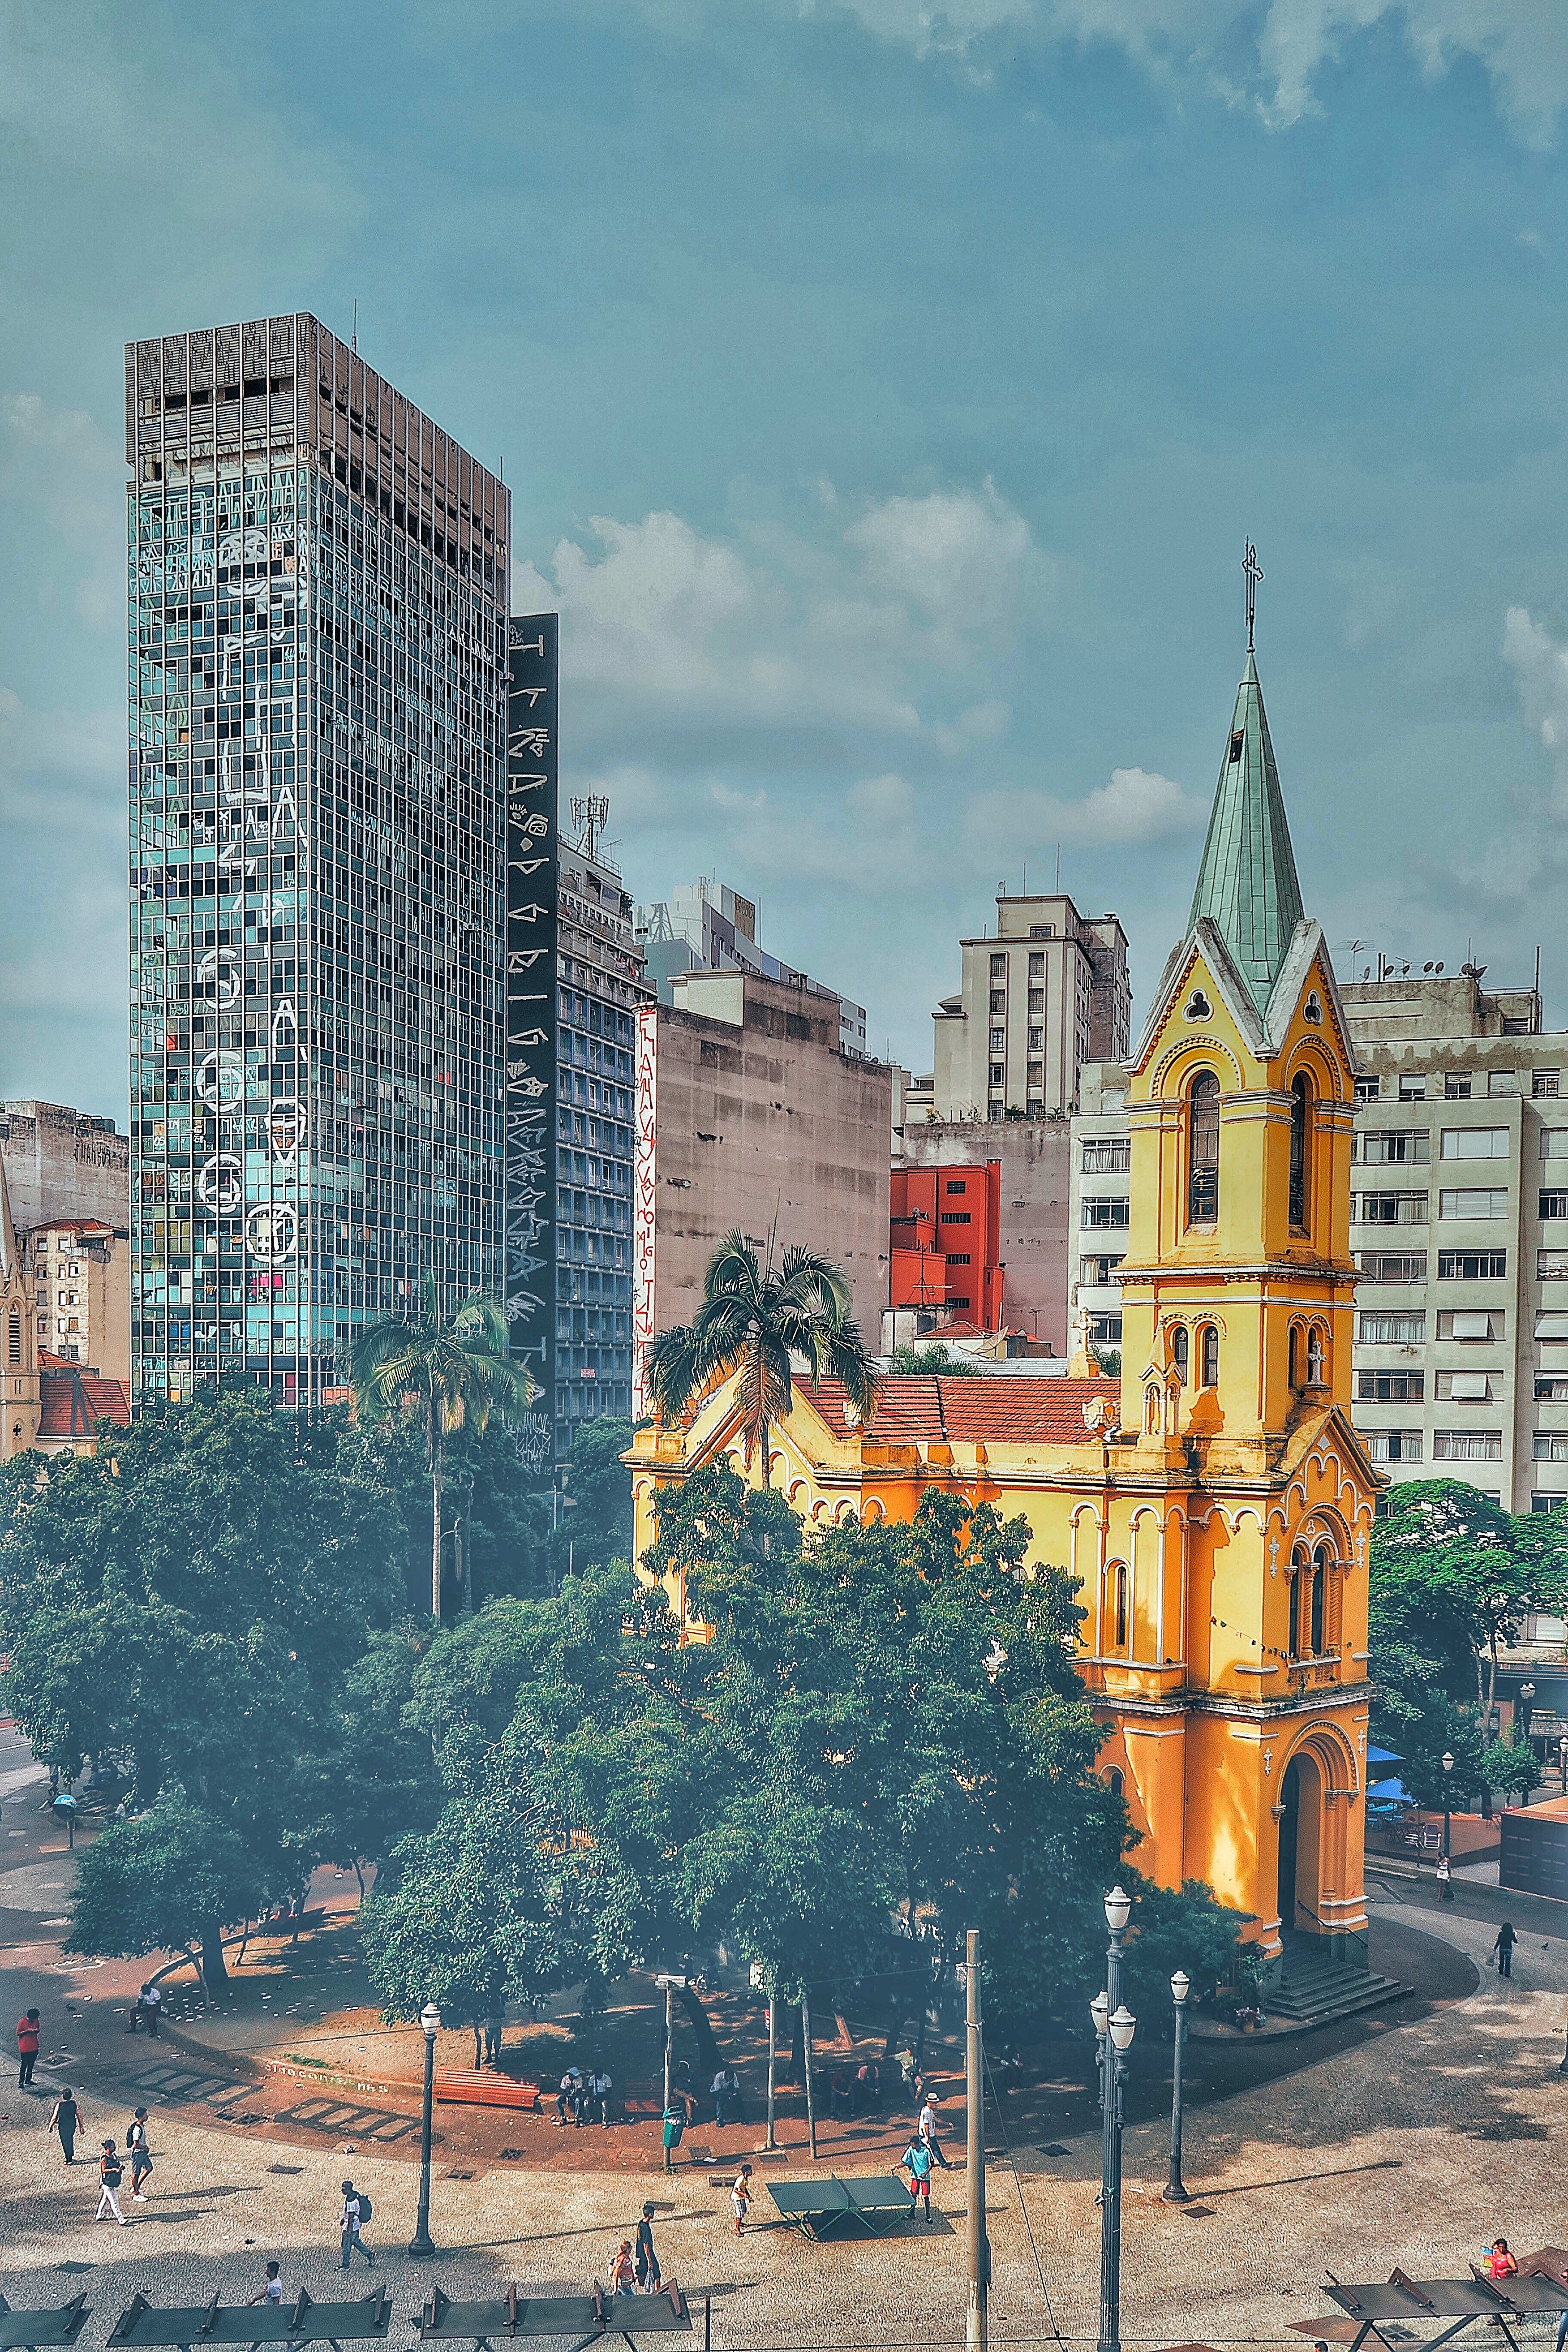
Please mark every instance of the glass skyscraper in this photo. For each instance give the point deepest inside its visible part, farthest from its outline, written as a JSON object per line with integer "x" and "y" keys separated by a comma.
{"x": 318, "y": 700}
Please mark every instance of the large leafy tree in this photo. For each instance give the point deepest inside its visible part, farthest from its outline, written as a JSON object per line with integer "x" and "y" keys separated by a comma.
{"x": 190, "y": 1599}
{"x": 449, "y": 1369}
{"x": 753, "y": 1317}
{"x": 1452, "y": 1578}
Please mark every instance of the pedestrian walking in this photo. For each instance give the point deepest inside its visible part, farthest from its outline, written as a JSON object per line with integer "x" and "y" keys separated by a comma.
{"x": 623, "y": 2272}
{"x": 141, "y": 2155}
{"x": 1445, "y": 1879}
{"x": 917, "y": 2164}
{"x": 495, "y": 2034}
{"x": 149, "y": 2005}
{"x": 1503, "y": 1948}
{"x": 740, "y": 2199}
{"x": 648, "y": 2275}
{"x": 356, "y": 2213}
{"x": 27, "y": 2049}
{"x": 270, "y": 2293}
{"x": 109, "y": 2174}
{"x": 929, "y": 2133}
{"x": 66, "y": 2121}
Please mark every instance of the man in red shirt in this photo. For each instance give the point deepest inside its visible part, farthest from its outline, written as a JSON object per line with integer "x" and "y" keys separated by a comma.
{"x": 27, "y": 2049}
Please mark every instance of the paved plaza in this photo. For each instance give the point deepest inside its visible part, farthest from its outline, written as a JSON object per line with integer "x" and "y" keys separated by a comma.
{"x": 1414, "y": 2144}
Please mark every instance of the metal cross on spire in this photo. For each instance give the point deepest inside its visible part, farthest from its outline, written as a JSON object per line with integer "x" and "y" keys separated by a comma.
{"x": 1254, "y": 571}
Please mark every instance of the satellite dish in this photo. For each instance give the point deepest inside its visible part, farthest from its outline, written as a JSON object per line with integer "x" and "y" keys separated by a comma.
{"x": 1437, "y": 967}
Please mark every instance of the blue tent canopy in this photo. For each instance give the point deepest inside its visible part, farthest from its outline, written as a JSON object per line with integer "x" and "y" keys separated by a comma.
{"x": 1383, "y": 1755}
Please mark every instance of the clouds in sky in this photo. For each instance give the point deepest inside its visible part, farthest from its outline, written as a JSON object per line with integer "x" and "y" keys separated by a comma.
{"x": 1275, "y": 58}
{"x": 1539, "y": 661}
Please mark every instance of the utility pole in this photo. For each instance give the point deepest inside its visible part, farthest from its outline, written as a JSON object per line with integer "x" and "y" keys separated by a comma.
{"x": 810, "y": 2095}
{"x": 977, "y": 2334}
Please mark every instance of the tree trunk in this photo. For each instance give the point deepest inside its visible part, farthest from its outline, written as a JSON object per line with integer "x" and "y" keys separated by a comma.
{"x": 767, "y": 1474}
{"x": 796, "y": 2048}
{"x": 708, "y": 2058}
{"x": 214, "y": 1976}
{"x": 436, "y": 1541}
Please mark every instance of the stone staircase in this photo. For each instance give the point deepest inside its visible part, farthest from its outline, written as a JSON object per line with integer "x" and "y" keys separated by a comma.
{"x": 1315, "y": 1989}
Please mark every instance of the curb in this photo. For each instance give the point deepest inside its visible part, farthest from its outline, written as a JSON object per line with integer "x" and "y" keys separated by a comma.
{"x": 262, "y": 2070}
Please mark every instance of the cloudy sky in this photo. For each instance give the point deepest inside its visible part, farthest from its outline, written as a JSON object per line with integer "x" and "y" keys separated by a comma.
{"x": 887, "y": 390}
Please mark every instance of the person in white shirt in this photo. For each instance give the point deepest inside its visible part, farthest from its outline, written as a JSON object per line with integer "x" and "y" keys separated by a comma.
{"x": 928, "y": 2133}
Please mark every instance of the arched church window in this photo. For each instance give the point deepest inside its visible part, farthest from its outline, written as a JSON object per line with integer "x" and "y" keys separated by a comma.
{"x": 1294, "y": 1368}
{"x": 14, "y": 1338}
{"x": 1209, "y": 1343}
{"x": 1320, "y": 1587}
{"x": 1119, "y": 1571}
{"x": 1300, "y": 1130}
{"x": 1114, "y": 1780}
{"x": 1179, "y": 1352}
{"x": 1300, "y": 1567}
{"x": 1202, "y": 1149}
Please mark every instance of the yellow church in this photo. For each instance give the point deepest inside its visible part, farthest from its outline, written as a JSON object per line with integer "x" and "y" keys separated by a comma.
{"x": 1215, "y": 1506}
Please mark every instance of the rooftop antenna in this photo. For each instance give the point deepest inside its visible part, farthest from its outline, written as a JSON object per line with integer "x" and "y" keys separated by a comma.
{"x": 590, "y": 817}
{"x": 353, "y": 337}
{"x": 1058, "y": 889}
{"x": 1254, "y": 571}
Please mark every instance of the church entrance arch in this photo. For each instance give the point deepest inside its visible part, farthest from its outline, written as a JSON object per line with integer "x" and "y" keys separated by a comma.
{"x": 1301, "y": 1845}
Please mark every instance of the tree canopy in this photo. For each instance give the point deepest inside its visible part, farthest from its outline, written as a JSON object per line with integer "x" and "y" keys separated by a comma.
{"x": 1453, "y": 1577}
{"x": 884, "y": 1740}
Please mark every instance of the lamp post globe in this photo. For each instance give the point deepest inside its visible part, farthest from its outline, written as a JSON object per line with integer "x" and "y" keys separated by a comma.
{"x": 1447, "y": 1802}
{"x": 1117, "y": 1910}
{"x": 421, "y": 2244}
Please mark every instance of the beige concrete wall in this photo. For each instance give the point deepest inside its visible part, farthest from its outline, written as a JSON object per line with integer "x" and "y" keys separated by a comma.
{"x": 761, "y": 1117}
{"x": 59, "y": 1166}
{"x": 1036, "y": 1184}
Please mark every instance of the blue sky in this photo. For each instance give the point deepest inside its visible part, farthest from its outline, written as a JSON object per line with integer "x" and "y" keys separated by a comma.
{"x": 887, "y": 391}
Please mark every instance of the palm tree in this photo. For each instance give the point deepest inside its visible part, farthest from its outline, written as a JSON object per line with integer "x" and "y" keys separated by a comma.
{"x": 752, "y": 1318}
{"x": 451, "y": 1368}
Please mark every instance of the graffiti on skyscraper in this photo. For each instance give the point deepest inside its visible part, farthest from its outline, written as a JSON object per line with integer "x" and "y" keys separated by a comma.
{"x": 532, "y": 879}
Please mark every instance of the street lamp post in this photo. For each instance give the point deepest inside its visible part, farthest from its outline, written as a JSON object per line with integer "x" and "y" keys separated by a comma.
{"x": 420, "y": 2243}
{"x": 1175, "y": 2189}
{"x": 1447, "y": 1800}
{"x": 1114, "y": 2026}
{"x": 1563, "y": 1760}
{"x": 1526, "y": 1695}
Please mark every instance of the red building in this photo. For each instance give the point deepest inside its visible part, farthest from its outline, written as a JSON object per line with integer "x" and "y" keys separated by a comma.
{"x": 946, "y": 1258}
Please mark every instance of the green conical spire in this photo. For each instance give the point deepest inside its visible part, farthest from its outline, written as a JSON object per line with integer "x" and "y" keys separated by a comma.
{"x": 1246, "y": 882}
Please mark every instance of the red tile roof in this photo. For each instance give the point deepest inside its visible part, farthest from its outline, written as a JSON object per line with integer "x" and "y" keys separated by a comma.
{"x": 995, "y": 1408}
{"x": 73, "y": 1402}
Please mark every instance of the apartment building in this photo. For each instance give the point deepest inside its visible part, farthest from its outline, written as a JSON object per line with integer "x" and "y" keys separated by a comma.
{"x": 704, "y": 926}
{"x": 1459, "y": 1223}
{"x": 1045, "y": 994}
{"x": 1459, "y": 1228}
{"x": 1100, "y": 1206}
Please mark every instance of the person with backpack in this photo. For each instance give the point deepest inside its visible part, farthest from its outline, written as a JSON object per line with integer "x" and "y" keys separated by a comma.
{"x": 356, "y": 2213}
{"x": 110, "y": 2175}
{"x": 66, "y": 2121}
{"x": 916, "y": 2162}
{"x": 141, "y": 2155}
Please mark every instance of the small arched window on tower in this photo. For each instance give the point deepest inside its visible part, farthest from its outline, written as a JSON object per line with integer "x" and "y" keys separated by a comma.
{"x": 1118, "y": 1570}
{"x": 1294, "y": 1374}
{"x": 1315, "y": 1354}
{"x": 1114, "y": 1780}
{"x": 1300, "y": 1132}
{"x": 1179, "y": 1352}
{"x": 14, "y": 1339}
{"x": 1300, "y": 1580}
{"x": 1322, "y": 1558}
{"x": 1202, "y": 1149}
{"x": 1208, "y": 1343}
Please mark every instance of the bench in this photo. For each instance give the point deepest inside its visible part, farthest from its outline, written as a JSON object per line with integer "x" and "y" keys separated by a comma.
{"x": 476, "y": 2087}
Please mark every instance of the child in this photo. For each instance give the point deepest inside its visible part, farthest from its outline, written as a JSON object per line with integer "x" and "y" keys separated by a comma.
{"x": 622, "y": 2277}
{"x": 917, "y": 2164}
{"x": 740, "y": 2199}
{"x": 1501, "y": 2264}
{"x": 109, "y": 2174}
